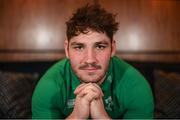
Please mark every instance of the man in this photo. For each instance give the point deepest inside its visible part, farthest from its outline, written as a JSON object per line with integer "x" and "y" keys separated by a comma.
{"x": 91, "y": 82}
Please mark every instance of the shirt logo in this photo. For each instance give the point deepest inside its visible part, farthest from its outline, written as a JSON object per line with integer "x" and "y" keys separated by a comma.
{"x": 109, "y": 103}
{"x": 109, "y": 79}
{"x": 70, "y": 103}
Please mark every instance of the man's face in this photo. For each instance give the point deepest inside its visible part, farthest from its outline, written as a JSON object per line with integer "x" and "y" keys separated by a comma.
{"x": 89, "y": 55}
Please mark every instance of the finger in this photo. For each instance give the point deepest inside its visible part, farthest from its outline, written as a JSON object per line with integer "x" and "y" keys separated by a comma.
{"x": 91, "y": 96}
{"x": 86, "y": 88}
{"x": 98, "y": 88}
{"x": 90, "y": 90}
{"x": 95, "y": 88}
{"x": 82, "y": 93}
{"x": 81, "y": 87}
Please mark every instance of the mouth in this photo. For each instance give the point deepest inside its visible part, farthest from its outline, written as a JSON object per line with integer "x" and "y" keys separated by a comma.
{"x": 90, "y": 69}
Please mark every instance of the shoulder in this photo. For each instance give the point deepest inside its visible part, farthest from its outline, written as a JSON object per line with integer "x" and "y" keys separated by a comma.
{"x": 47, "y": 96}
{"x": 132, "y": 89}
{"x": 58, "y": 67}
{"x": 119, "y": 66}
{"x": 130, "y": 81}
{"x": 56, "y": 73}
{"x": 51, "y": 81}
{"x": 125, "y": 72}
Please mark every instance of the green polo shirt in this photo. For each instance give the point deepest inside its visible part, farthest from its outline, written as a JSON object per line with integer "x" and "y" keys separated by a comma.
{"x": 126, "y": 92}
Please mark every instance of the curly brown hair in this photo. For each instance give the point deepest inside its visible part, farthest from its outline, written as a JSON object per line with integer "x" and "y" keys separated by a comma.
{"x": 91, "y": 17}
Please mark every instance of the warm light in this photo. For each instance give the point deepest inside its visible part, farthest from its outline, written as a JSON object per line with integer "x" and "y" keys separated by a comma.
{"x": 133, "y": 39}
{"x": 43, "y": 35}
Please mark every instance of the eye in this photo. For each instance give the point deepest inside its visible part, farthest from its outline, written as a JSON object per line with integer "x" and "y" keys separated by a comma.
{"x": 78, "y": 48}
{"x": 101, "y": 47}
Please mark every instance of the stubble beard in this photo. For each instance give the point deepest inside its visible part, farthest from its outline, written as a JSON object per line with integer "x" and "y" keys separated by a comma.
{"x": 93, "y": 78}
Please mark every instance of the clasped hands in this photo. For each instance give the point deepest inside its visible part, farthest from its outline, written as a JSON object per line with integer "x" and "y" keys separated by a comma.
{"x": 88, "y": 102}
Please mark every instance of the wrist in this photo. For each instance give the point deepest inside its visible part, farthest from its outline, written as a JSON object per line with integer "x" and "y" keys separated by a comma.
{"x": 73, "y": 116}
{"x": 104, "y": 116}
{"x": 76, "y": 116}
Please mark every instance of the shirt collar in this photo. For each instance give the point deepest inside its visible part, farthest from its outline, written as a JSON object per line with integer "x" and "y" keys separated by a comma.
{"x": 106, "y": 85}
{"x": 75, "y": 81}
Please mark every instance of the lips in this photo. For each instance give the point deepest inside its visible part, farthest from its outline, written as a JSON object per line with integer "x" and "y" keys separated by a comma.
{"x": 90, "y": 69}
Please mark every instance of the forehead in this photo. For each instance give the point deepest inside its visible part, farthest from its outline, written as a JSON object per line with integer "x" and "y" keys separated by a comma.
{"x": 90, "y": 37}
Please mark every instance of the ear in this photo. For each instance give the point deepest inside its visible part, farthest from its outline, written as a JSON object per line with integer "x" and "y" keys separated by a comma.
{"x": 66, "y": 47}
{"x": 113, "y": 48}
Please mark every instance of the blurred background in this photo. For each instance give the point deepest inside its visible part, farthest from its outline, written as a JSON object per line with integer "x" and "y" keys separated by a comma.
{"x": 35, "y": 29}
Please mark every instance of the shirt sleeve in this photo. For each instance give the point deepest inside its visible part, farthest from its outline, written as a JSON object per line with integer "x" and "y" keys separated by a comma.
{"x": 46, "y": 99}
{"x": 138, "y": 97}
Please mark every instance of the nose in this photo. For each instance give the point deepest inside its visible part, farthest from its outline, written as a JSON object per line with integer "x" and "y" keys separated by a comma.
{"x": 91, "y": 56}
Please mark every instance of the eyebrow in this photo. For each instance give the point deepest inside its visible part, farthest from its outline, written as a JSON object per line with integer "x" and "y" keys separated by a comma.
{"x": 102, "y": 42}
{"x": 76, "y": 43}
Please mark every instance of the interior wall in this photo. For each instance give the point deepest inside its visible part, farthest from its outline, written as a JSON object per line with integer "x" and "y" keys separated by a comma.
{"x": 35, "y": 29}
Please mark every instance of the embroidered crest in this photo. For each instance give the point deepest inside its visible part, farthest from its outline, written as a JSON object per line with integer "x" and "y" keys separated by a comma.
{"x": 70, "y": 103}
{"x": 109, "y": 103}
{"x": 109, "y": 79}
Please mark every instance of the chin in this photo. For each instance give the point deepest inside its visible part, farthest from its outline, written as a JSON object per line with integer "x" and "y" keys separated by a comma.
{"x": 90, "y": 79}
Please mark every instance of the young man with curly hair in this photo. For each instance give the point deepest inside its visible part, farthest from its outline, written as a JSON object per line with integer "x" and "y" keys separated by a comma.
{"x": 92, "y": 82}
